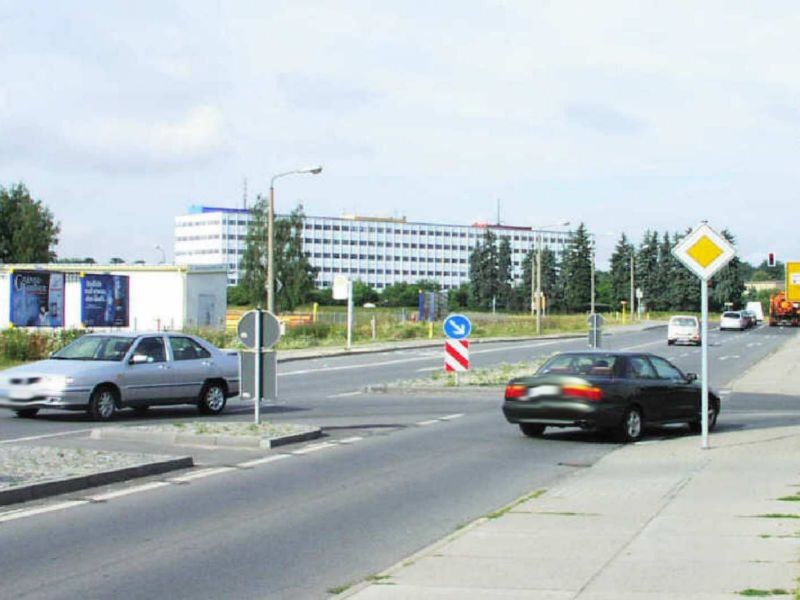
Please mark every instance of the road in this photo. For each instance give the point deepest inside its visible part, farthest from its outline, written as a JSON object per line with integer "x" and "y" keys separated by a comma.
{"x": 396, "y": 473}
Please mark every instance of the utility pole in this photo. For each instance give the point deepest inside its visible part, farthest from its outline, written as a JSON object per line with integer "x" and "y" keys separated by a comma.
{"x": 633, "y": 291}
{"x": 539, "y": 285}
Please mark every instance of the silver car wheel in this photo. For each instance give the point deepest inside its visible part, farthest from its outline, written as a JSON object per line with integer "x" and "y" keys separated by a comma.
{"x": 215, "y": 398}
{"x": 633, "y": 424}
{"x": 105, "y": 404}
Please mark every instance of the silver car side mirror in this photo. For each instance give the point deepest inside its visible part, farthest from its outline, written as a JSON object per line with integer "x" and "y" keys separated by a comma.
{"x": 138, "y": 359}
{"x": 690, "y": 377}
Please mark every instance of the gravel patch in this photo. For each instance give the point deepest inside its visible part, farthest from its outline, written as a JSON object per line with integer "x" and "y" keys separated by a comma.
{"x": 485, "y": 377}
{"x": 264, "y": 430}
{"x": 26, "y": 465}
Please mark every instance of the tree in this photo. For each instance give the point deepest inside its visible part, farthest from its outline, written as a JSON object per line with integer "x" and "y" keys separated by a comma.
{"x": 362, "y": 293}
{"x": 647, "y": 269}
{"x": 727, "y": 285}
{"x": 484, "y": 271}
{"x": 504, "y": 277}
{"x": 576, "y": 271}
{"x": 292, "y": 268}
{"x": 28, "y": 231}
{"x": 254, "y": 257}
{"x": 667, "y": 267}
{"x": 685, "y": 288}
{"x": 458, "y": 298}
{"x": 620, "y": 272}
{"x": 294, "y": 274}
{"x": 76, "y": 261}
{"x": 117, "y": 261}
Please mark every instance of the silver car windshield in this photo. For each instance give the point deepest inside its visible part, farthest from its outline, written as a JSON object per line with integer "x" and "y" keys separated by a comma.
{"x": 95, "y": 347}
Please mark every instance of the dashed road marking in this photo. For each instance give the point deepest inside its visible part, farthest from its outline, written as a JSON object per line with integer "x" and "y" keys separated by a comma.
{"x": 127, "y": 491}
{"x": 44, "y": 436}
{"x": 729, "y": 357}
{"x": 30, "y": 512}
{"x": 451, "y": 417}
{"x": 351, "y": 440}
{"x": 263, "y": 461}
{"x": 314, "y": 448}
{"x": 201, "y": 474}
{"x": 345, "y": 394}
{"x": 429, "y": 422}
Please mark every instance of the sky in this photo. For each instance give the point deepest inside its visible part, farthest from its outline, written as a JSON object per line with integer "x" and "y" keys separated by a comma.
{"x": 623, "y": 115}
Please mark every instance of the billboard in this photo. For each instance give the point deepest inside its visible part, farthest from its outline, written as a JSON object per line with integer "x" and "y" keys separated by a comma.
{"x": 793, "y": 281}
{"x": 37, "y": 299}
{"x": 105, "y": 300}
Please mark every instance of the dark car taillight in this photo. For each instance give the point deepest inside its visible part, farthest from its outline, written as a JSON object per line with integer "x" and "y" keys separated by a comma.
{"x": 587, "y": 392}
{"x": 514, "y": 392}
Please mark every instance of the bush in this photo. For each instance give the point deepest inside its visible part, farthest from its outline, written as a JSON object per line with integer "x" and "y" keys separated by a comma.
{"x": 24, "y": 345}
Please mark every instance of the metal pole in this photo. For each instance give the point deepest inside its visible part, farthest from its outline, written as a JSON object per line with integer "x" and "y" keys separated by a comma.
{"x": 257, "y": 367}
{"x": 533, "y": 285}
{"x": 632, "y": 304}
{"x": 271, "y": 249}
{"x": 349, "y": 313}
{"x": 704, "y": 361}
{"x": 592, "y": 301}
{"x": 539, "y": 285}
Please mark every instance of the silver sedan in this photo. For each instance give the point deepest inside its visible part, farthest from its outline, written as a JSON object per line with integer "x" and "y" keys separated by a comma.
{"x": 100, "y": 373}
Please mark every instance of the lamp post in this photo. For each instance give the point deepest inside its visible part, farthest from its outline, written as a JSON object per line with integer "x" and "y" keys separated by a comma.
{"x": 163, "y": 254}
{"x": 270, "y": 283}
{"x": 536, "y": 298}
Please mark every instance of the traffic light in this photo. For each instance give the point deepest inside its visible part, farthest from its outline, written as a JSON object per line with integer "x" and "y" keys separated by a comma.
{"x": 771, "y": 259}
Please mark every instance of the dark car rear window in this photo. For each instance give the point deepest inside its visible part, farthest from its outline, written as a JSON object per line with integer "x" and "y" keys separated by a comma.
{"x": 601, "y": 365}
{"x": 731, "y": 315}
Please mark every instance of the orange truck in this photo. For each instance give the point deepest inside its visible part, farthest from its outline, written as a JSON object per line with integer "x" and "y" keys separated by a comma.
{"x": 782, "y": 311}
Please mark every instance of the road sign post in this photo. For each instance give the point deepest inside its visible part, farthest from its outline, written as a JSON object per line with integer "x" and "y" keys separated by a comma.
{"x": 595, "y": 330}
{"x": 457, "y": 328}
{"x": 704, "y": 252}
{"x": 259, "y": 330}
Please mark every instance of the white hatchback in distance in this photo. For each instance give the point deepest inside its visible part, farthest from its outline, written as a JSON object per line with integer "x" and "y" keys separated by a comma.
{"x": 732, "y": 319}
{"x": 683, "y": 328}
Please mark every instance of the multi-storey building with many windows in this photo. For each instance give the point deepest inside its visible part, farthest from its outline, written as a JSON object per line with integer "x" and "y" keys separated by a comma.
{"x": 377, "y": 251}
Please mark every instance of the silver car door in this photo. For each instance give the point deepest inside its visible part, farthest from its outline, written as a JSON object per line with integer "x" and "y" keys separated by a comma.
{"x": 191, "y": 366}
{"x": 148, "y": 377}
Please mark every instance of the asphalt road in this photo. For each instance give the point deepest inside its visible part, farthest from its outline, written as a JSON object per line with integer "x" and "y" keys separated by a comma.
{"x": 399, "y": 471}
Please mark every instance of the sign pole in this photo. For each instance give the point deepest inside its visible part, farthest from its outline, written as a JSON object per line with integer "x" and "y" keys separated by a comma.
{"x": 349, "y": 313}
{"x": 257, "y": 368}
{"x": 704, "y": 360}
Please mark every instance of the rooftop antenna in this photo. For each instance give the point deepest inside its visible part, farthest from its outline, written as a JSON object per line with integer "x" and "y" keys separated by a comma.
{"x": 498, "y": 211}
{"x": 244, "y": 194}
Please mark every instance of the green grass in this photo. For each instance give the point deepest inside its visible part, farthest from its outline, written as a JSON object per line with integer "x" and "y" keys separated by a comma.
{"x": 6, "y": 363}
{"x": 794, "y": 498}
{"x": 778, "y": 516}
{"x": 754, "y": 593}
{"x": 335, "y": 591}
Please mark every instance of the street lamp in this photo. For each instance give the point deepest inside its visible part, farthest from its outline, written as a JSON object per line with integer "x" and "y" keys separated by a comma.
{"x": 270, "y": 284}
{"x": 536, "y": 299}
{"x": 163, "y": 254}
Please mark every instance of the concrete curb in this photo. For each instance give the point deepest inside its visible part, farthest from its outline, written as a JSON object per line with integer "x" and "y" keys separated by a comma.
{"x": 199, "y": 439}
{"x": 81, "y": 482}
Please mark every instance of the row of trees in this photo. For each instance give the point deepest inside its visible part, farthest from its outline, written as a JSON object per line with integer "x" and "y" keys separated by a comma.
{"x": 28, "y": 230}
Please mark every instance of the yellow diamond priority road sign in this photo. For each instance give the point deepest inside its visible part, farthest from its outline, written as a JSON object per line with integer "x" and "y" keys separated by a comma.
{"x": 704, "y": 251}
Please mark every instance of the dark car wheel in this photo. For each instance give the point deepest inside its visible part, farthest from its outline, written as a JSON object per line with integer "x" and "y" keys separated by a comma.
{"x": 212, "y": 399}
{"x": 697, "y": 426}
{"x": 631, "y": 427}
{"x": 102, "y": 404}
{"x": 27, "y": 413}
{"x": 532, "y": 429}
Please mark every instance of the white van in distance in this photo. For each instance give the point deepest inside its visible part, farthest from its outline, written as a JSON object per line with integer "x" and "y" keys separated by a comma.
{"x": 683, "y": 328}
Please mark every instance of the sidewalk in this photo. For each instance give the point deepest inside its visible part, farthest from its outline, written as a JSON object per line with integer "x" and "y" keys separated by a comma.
{"x": 660, "y": 520}
{"x": 438, "y": 341}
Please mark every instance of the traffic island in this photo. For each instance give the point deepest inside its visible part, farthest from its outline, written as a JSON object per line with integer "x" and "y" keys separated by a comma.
{"x": 225, "y": 435}
{"x": 32, "y": 472}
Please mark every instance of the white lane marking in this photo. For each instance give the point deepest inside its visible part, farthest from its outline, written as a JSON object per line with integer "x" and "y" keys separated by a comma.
{"x": 430, "y": 422}
{"x": 128, "y": 491}
{"x": 724, "y": 392}
{"x": 201, "y": 474}
{"x": 751, "y": 344}
{"x": 44, "y": 436}
{"x": 314, "y": 448}
{"x": 729, "y": 357}
{"x": 263, "y": 461}
{"x": 656, "y": 343}
{"x": 351, "y": 440}
{"x": 345, "y": 394}
{"x": 427, "y": 369}
{"x": 684, "y": 355}
{"x": 415, "y": 359}
{"x": 30, "y": 512}
{"x": 451, "y": 417}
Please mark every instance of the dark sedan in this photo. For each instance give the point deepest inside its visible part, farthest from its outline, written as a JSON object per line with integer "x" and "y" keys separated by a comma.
{"x": 621, "y": 392}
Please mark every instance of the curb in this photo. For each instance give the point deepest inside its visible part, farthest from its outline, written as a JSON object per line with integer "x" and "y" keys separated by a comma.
{"x": 82, "y": 482}
{"x": 200, "y": 439}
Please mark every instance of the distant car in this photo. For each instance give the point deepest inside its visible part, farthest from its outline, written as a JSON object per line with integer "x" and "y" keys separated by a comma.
{"x": 101, "y": 373}
{"x": 622, "y": 392}
{"x": 683, "y": 328}
{"x": 757, "y": 309}
{"x": 752, "y": 319}
{"x": 732, "y": 319}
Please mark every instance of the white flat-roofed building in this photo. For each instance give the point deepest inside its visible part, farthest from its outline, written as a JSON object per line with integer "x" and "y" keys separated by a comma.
{"x": 377, "y": 251}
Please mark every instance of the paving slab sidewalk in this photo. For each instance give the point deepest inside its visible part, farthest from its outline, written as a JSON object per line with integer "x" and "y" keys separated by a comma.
{"x": 650, "y": 521}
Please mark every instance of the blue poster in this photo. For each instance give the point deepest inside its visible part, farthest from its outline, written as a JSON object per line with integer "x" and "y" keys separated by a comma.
{"x": 104, "y": 300}
{"x": 37, "y": 299}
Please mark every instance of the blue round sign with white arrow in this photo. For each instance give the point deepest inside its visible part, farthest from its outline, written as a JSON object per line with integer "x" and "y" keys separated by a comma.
{"x": 457, "y": 327}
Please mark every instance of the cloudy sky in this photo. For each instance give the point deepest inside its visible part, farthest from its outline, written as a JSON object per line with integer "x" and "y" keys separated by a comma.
{"x": 623, "y": 115}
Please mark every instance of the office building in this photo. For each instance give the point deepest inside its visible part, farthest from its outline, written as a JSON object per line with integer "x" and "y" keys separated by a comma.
{"x": 377, "y": 251}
